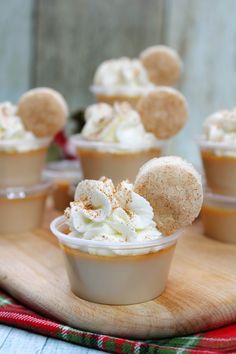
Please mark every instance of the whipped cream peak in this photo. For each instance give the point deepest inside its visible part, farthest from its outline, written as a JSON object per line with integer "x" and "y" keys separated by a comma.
{"x": 138, "y": 208}
{"x": 7, "y": 109}
{"x": 221, "y": 127}
{"x": 121, "y": 72}
{"x": 11, "y": 126}
{"x": 119, "y": 123}
{"x": 13, "y": 130}
{"x": 98, "y": 111}
{"x": 103, "y": 212}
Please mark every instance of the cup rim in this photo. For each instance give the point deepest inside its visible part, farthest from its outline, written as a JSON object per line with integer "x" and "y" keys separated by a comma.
{"x": 210, "y": 195}
{"x": 78, "y": 141}
{"x": 14, "y": 143}
{"x": 23, "y": 191}
{"x": 68, "y": 170}
{"x": 75, "y": 241}
{"x": 206, "y": 144}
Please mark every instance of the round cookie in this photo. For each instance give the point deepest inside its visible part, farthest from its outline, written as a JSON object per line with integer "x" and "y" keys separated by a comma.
{"x": 43, "y": 111}
{"x": 163, "y": 112}
{"x": 173, "y": 188}
{"x": 162, "y": 63}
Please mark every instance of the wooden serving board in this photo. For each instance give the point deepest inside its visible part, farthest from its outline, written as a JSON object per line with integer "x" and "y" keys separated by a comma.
{"x": 201, "y": 292}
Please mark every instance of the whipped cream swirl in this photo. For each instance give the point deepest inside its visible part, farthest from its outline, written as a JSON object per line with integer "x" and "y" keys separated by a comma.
{"x": 102, "y": 212}
{"x": 220, "y": 127}
{"x": 117, "y": 124}
{"x": 122, "y": 76}
{"x": 12, "y": 131}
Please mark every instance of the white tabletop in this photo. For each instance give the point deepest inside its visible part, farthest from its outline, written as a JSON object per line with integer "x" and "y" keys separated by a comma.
{"x": 17, "y": 341}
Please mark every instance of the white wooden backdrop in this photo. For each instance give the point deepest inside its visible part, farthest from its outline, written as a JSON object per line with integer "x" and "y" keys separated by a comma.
{"x": 59, "y": 43}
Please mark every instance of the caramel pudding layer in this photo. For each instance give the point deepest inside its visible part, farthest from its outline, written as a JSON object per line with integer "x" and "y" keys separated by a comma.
{"x": 21, "y": 168}
{"x": 117, "y": 165}
{"x": 131, "y": 258}
{"x": 27, "y": 213}
{"x": 219, "y": 223}
{"x": 220, "y": 172}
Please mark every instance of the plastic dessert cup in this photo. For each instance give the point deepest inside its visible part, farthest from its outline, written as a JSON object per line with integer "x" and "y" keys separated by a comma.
{"x": 106, "y": 273}
{"x": 21, "y": 208}
{"x": 120, "y": 94}
{"x": 218, "y": 216}
{"x": 22, "y": 168}
{"x": 219, "y": 167}
{"x": 113, "y": 160}
{"x": 64, "y": 175}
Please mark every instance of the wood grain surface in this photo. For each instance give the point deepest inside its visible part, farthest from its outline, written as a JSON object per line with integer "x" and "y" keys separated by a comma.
{"x": 200, "y": 294}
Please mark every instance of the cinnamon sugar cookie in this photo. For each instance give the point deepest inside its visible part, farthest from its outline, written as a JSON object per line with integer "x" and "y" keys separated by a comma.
{"x": 163, "y": 112}
{"x": 43, "y": 111}
{"x": 173, "y": 188}
{"x": 162, "y": 64}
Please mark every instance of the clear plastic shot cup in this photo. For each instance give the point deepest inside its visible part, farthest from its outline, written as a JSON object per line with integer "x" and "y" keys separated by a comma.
{"x": 219, "y": 164}
{"x": 22, "y": 208}
{"x": 113, "y": 160}
{"x": 64, "y": 175}
{"x": 218, "y": 217}
{"x": 114, "y": 273}
{"x": 20, "y": 167}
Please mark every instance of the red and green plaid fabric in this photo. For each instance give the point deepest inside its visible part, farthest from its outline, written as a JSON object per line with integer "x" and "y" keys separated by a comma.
{"x": 222, "y": 340}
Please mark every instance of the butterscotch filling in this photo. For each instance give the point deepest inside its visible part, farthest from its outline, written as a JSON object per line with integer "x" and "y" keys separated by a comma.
{"x": 21, "y": 168}
{"x": 116, "y": 165}
{"x": 219, "y": 223}
{"x": 133, "y": 258}
{"x": 220, "y": 172}
{"x": 26, "y": 213}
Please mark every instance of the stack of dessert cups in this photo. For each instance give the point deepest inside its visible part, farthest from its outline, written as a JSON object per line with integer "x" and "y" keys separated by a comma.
{"x": 218, "y": 153}
{"x": 118, "y": 241}
{"x": 26, "y": 131}
{"x": 136, "y": 114}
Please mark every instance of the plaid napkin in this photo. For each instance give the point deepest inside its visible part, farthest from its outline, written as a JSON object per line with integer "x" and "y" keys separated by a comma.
{"x": 218, "y": 341}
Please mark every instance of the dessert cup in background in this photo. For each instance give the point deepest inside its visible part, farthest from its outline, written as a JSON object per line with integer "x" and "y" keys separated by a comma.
{"x": 114, "y": 238}
{"x": 112, "y": 159}
{"x": 22, "y": 208}
{"x": 19, "y": 166}
{"x": 125, "y": 273}
{"x": 218, "y": 217}
{"x": 218, "y": 152}
{"x": 219, "y": 165}
{"x": 128, "y": 80}
{"x": 26, "y": 131}
{"x": 117, "y": 140}
{"x": 64, "y": 176}
{"x": 121, "y": 80}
